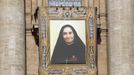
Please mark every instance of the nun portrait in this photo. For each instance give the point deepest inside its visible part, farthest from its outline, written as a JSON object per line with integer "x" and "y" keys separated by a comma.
{"x": 69, "y": 48}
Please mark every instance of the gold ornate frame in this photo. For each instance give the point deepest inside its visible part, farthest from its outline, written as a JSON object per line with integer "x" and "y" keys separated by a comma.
{"x": 64, "y": 69}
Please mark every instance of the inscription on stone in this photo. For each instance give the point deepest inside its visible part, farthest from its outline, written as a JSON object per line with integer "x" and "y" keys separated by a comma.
{"x": 76, "y": 3}
{"x": 80, "y": 71}
{"x": 55, "y": 71}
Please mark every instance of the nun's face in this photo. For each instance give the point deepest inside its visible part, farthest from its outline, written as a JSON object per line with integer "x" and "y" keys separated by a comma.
{"x": 68, "y": 35}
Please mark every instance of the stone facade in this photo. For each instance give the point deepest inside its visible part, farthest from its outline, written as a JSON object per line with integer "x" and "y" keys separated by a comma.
{"x": 19, "y": 53}
{"x": 102, "y": 48}
{"x": 32, "y": 55}
{"x": 116, "y": 39}
{"x": 12, "y": 37}
{"x": 120, "y": 41}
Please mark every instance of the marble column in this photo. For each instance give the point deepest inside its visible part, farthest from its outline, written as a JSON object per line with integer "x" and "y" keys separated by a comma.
{"x": 12, "y": 37}
{"x": 120, "y": 37}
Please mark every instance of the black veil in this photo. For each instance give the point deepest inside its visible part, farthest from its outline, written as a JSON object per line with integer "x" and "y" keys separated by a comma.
{"x": 69, "y": 54}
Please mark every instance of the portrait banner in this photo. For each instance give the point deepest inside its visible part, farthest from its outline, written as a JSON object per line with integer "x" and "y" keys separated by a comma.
{"x": 69, "y": 44}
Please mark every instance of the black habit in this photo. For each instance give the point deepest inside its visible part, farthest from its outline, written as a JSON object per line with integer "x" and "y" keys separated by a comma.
{"x": 69, "y": 54}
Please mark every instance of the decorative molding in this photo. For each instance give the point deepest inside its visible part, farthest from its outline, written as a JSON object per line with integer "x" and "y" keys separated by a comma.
{"x": 43, "y": 29}
{"x": 64, "y": 2}
{"x": 56, "y": 71}
{"x": 91, "y": 37}
{"x": 68, "y": 12}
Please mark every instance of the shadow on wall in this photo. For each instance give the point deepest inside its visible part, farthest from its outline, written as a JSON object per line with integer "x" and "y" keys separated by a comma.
{"x": 98, "y": 35}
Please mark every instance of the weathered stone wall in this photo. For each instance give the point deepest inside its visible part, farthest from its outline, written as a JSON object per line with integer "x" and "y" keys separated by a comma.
{"x": 102, "y": 47}
{"x": 12, "y": 37}
{"x": 120, "y": 37}
{"x": 32, "y": 55}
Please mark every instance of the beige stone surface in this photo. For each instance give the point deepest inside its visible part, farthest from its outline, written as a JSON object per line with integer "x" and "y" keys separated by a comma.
{"x": 34, "y": 5}
{"x": 28, "y": 14}
{"x": 103, "y": 23}
{"x": 120, "y": 41}
{"x": 28, "y": 6}
{"x": 96, "y": 4}
{"x": 102, "y": 55}
{"x": 91, "y": 3}
{"x": 103, "y": 7}
{"x": 102, "y": 48}
{"x": 32, "y": 55}
{"x": 12, "y": 37}
{"x": 40, "y": 2}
